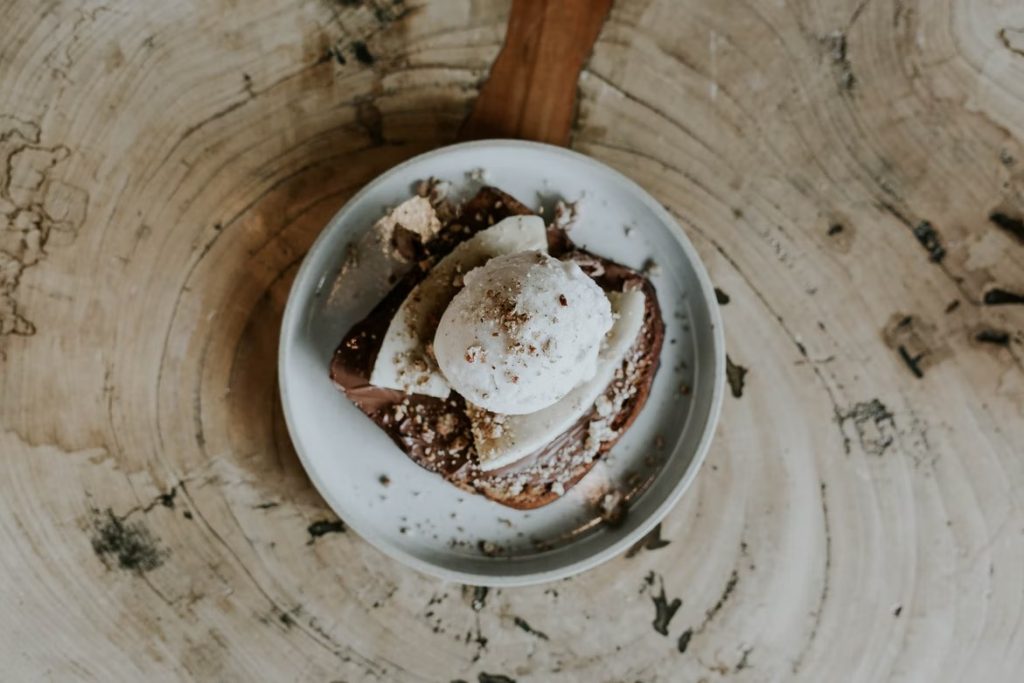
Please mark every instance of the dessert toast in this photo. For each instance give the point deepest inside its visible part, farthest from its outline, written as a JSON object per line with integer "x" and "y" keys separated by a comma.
{"x": 437, "y": 433}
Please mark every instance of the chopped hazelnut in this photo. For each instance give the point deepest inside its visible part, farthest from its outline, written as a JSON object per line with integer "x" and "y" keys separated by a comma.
{"x": 446, "y": 424}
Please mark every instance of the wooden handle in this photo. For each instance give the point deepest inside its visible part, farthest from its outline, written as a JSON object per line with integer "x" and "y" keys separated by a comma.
{"x": 531, "y": 91}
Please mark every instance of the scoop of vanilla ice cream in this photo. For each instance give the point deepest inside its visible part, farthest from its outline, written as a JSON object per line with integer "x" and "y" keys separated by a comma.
{"x": 523, "y": 332}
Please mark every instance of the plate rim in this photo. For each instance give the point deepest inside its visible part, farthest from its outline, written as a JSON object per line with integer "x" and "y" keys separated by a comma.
{"x": 289, "y": 323}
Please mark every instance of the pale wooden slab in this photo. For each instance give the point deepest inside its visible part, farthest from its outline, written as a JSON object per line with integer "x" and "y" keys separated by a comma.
{"x": 166, "y": 166}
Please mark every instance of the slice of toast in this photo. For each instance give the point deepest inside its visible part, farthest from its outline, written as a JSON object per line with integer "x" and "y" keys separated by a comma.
{"x": 435, "y": 433}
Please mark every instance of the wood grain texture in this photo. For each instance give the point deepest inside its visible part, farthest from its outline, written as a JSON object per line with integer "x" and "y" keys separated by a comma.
{"x": 860, "y": 515}
{"x": 531, "y": 90}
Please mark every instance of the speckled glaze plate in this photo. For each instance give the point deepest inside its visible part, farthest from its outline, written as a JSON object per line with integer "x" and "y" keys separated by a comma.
{"x": 417, "y": 517}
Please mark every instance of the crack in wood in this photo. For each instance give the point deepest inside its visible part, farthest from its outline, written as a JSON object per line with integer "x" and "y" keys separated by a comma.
{"x": 998, "y": 296}
{"x": 928, "y": 236}
{"x": 494, "y": 678}
{"x": 477, "y": 639}
{"x": 823, "y": 596}
{"x": 29, "y": 199}
{"x": 916, "y": 341}
{"x": 736, "y": 376}
{"x": 166, "y": 500}
{"x": 856, "y": 15}
{"x": 652, "y": 541}
{"x": 523, "y": 625}
{"x": 912, "y": 362}
{"x": 664, "y": 609}
{"x": 1012, "y": 39}
{"x": 1013, "y": 225}
{"x": 837, "y": 48}
{"x": 744, "y": 662}
{"x": 730, "y": 586}
{"x": 362, "y": 53}
{"x": 684, "y": 640}
{"x": 323, "y": 527}
{"x": 996, "y": 337}
{"x": 888, "y": 207}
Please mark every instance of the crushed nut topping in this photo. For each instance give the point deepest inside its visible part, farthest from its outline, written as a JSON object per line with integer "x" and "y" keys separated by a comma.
{"x": 475, "y": 353}
{"x": 447, "y": 423}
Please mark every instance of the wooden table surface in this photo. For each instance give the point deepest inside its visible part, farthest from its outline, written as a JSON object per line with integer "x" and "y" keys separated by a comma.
{"x": 852, "y": 172}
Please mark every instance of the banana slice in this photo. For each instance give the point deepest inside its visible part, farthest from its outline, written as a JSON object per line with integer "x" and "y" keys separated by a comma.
{"x": 503, "y": 439}
{"x": 403, "y": 361}
{"x": 375, "y": 261}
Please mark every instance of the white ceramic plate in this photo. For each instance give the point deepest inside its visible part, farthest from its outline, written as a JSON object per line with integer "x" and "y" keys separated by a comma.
{"x": 422, "y": 520}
